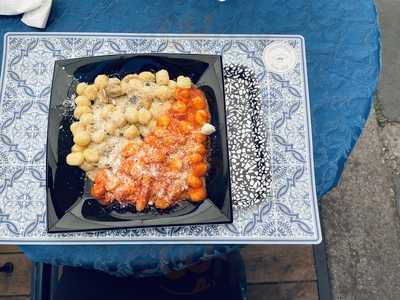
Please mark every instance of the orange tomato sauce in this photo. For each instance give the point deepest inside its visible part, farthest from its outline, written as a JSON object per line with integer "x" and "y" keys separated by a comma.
{"x": 168, "y": 165}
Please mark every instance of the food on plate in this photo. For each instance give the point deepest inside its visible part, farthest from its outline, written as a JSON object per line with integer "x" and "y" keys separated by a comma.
{"x": 142, "y": 139}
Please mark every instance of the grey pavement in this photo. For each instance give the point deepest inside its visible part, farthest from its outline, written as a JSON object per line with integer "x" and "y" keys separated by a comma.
{"x": 390, "y": 139}
{"x": 389, "y": 12}
{"x": 361, "y": 223}
{"x": 360, "y": 216}
{"x": 388, "y": 91}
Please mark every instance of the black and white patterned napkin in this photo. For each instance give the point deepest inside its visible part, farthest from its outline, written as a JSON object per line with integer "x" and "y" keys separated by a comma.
{"x": 247, "y": 137}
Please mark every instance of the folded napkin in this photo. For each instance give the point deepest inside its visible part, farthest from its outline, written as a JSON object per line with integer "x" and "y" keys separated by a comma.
{"x": 36, "y": 12}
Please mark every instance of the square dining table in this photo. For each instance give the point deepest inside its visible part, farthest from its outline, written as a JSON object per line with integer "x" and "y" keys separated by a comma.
{"x": 339, "y": 42}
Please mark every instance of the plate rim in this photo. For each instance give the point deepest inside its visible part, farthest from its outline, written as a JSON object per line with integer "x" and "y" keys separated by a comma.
{"x": 224, "y": 218}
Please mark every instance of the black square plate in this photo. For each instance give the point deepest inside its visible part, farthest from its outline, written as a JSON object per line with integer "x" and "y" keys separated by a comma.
{"x": 69, "y": 204}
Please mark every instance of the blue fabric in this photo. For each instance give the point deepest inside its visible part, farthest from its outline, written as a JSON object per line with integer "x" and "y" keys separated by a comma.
{"x": 343, "y": 53}
{"x": 124, "y": 260}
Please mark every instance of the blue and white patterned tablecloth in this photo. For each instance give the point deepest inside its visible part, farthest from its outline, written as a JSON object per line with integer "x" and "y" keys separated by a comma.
{"x": 288, "y": 215}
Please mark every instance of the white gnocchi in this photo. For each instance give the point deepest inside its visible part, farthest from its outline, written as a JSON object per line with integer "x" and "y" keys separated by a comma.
{"x": 80, "y": 88}
{"x": 91, "y": 155}
{"x": 144, "y": 116}
{"x": 80, "y": 110}
{"x": 75, "y": 158}
{"x": 183, "y": 82}
{"x": 86, "y": 118}
{"x": 131, "y": 132}
{"x": 98, "y": 136}
{"x": 77, "y": 148}
{"x": 82, "y": 138}
{"x": 131, "y": 114}
{"x": 147, "y": 76}
{"x": 162, "y": 77}
{"x": 101, "y": 81}
{"x": 82, "y": 101}
{"x": 90, "y": 92}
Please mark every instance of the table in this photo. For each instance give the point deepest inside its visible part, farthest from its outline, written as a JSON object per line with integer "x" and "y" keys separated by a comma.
{"x": 343, "y": 54}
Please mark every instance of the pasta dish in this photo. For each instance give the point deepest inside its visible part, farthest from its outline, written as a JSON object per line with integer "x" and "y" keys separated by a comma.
{"x": 142, "y": 139}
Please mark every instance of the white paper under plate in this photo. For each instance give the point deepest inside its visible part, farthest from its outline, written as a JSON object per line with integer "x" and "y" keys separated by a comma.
{"x": 288, "y": 214}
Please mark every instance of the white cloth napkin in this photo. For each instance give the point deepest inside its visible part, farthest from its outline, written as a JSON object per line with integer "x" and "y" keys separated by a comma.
{"x": 36, "y": 12}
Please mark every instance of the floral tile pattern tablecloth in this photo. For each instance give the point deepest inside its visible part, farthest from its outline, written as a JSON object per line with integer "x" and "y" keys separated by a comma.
{"x": 289, "y": 212}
